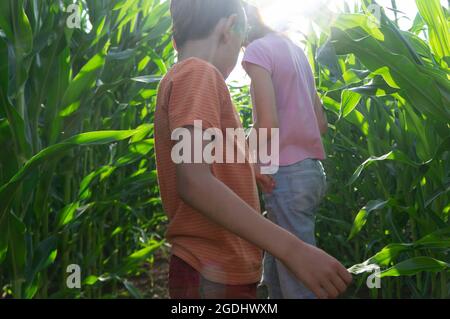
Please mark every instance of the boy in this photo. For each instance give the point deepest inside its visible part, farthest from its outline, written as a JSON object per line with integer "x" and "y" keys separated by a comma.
{"x": 216, "y": 230}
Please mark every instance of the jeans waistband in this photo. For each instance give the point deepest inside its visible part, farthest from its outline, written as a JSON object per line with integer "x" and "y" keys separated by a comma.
{"x": 308, "y": 164}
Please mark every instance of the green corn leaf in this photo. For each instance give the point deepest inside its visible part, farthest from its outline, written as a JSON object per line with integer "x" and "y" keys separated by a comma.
{"x": 147, "y": 79}
{"x": 22, "y": 30}
{"x": 326, "y": 55}
{"x": 43, "y": 257}
{"x": 5, "y": 19}
{"x": 84, "y": 80}
{"x": 349, "y": 21}
{"x": 389, "y": 254}
{"x": 438, "y": 26}
{"x": 437, "y": 239}
{"x": 56, "y": 151}
{"x": 396, "y": 156}
{"x": 68, "y": 214}
{"x": 363, "y": 215}
{"x": 415, "y": 266}
{"x": 419, "y": 88}
{"x": 350, "y": 100}
{"x": 156, "y": 14}
{"x": 90, "y": 280}
{"x": 138, "y": 257}
{"x": 17, "y": 251}
{"x": 136, "y": 152}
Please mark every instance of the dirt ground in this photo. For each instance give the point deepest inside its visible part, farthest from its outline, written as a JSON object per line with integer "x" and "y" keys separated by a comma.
{"x": 159, "y": 274}
{"x": 153, "y": 282}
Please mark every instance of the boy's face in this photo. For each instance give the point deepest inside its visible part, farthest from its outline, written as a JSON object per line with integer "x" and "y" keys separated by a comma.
{"x": 230, "y": 47}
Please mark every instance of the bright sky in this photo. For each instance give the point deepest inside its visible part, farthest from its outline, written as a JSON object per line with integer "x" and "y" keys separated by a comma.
{"x": 294, "y": 16}
{"x": 280, "y": 13}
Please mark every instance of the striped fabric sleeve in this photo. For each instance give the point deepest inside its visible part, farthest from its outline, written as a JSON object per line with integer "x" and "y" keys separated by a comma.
{"x": 195, "y": 96}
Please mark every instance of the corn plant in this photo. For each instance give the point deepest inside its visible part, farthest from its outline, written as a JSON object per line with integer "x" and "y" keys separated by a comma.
{"x": 78, "y": 85}
{"x": 387, "y": 93}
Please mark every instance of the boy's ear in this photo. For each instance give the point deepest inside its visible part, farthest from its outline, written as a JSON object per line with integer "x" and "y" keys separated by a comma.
{"x": 228, "y": 27}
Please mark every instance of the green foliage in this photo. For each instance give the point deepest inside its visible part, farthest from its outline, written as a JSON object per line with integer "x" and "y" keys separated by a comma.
{"x": 387, "y": 95}
{"x": 77, "y": 170}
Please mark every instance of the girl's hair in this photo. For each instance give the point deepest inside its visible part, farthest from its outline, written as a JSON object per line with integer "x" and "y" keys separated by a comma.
{"x": 257, "y": 28}
{"x": 196, "y": 19}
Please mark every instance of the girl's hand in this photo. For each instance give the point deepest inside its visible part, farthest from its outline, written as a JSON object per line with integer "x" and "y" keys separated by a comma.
{"x": 265, "y": 182}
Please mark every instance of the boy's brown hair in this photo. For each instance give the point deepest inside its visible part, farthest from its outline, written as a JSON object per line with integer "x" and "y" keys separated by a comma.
{"x": 196, "y": 19}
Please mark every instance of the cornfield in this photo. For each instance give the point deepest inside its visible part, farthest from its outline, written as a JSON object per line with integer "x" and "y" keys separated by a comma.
{"x": 78, "y": 85}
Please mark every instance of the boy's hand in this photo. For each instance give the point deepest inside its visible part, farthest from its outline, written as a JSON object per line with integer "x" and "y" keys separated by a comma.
{"x": 322, "y": 274}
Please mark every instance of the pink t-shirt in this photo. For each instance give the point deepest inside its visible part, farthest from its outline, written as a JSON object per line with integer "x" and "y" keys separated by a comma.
{"x": 295, "y": 90}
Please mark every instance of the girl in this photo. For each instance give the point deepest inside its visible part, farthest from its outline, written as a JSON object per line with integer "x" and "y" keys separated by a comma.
{"x": 285, "y": 97}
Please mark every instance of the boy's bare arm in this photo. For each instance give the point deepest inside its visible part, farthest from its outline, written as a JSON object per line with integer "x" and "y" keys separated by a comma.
{"x": 321, "y": 115}
{"x": 199, "y": 188}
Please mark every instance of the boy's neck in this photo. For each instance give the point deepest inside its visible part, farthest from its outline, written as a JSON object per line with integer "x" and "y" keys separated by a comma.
{"x": 204, "y": 49}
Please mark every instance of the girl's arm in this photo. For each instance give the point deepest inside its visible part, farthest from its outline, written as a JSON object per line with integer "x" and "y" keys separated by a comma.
{"x": 320, "y": 115}
{"x": 266, "y": 113}
{"x": 265, "y": 101}
{"x": 264, "y": 97}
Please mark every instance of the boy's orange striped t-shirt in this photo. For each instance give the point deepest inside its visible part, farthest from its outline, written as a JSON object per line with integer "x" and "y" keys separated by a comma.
{"x": 195, "y": 90}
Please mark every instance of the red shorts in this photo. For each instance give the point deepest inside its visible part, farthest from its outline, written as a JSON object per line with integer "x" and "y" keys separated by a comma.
{"x": 187, "y": 283}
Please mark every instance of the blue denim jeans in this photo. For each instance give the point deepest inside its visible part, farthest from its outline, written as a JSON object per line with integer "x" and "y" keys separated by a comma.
{"x": 292, "y": 205}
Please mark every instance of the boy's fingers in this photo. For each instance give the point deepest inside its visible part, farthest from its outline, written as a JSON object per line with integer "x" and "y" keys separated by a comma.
{"x": 319, "y": 292}
{"x": 345, "y": 275}
{"x": 316, "y": 288}
{"x": 331, "y": 290}
{"x": 339, "y": 284}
